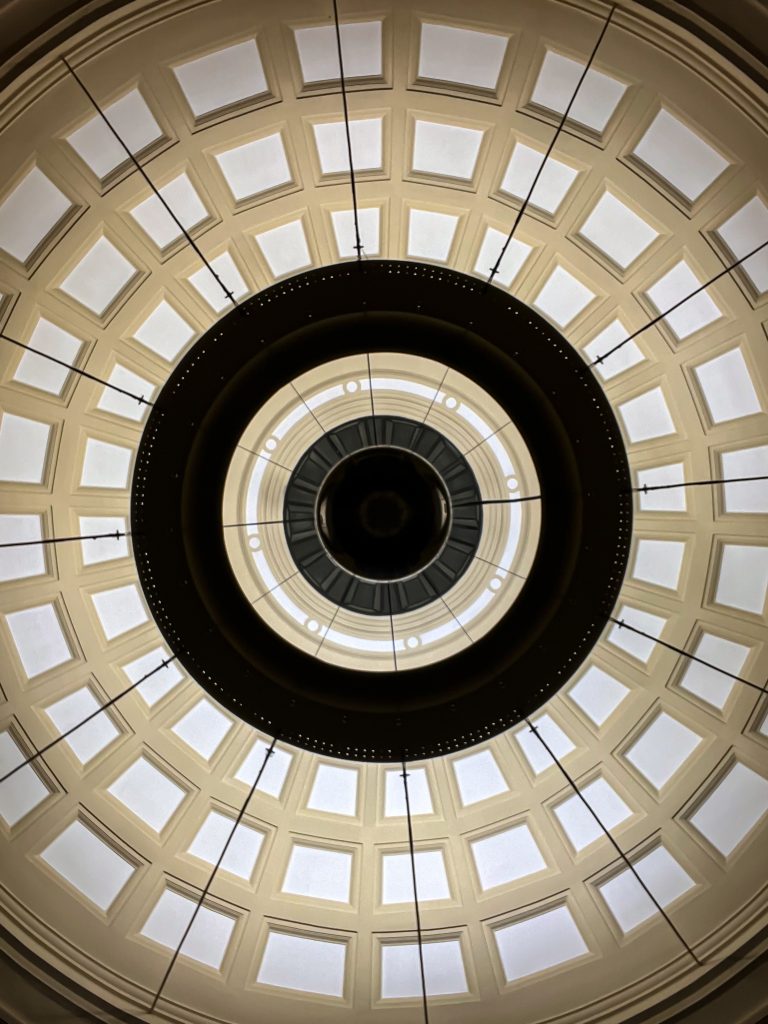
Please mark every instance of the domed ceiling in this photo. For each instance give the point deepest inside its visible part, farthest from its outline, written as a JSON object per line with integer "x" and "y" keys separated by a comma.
{"x": 654, "y": 189}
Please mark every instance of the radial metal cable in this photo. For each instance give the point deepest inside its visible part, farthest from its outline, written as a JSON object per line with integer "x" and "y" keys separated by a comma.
{"x": 647, "y": 488}
{"x": 114, "y": 535}
{"x": 358, "y": 247}
{"x": 415, "y": 894}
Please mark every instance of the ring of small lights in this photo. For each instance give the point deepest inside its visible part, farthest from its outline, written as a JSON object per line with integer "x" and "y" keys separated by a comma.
{"x": 374, "y": 597}
{"x": 560, "y": 411}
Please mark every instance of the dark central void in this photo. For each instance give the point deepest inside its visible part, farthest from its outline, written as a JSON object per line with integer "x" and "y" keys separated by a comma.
{"x": 383, "y": 513}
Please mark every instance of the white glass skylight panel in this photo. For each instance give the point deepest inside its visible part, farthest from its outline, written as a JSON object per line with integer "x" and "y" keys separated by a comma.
{"x": 334, "y": 790}
{"x": 23, "y": 448}
{"x": 598, "y": 694}
{"x": 106, "y": 549}
{"x": 659, "y": 562}
{"x": 446, "y": 149}
{"x": 368, "y": 220}
{"x": 208, "y": 937}
{"x": 160, "y": 682}
{"x": 360, "y": 51}
{"x": 732, "y": 809}
{"x": 536, "y": 943}
{"x": 553, "y": 184}
{"x": 222, "y": 78}
{"x": 39, "y": 372}
{"x": 562, "y": 297}
{"x": 273, "y": 777}
{"x": 148, "y": 793}
{"x": 461, "y": 55}
{"x": 303, "y": 964}
{"x": 285, "y": 248}
{"x": 397, "y": 877}
{"x": 24, "y": 790}
{"x": 165, "y": 332}
{"x": 131, "y": 119}
{"x": 647, "y": 416}
{"x": 627, "y": 356}
{"x": 89, "y": 864}
{"x": 662, "y": 748}
{"x": 23, "y": 562}
{"x": 679, "y": 155}
{"x": 365, "y": 136}
{"x": 105, "y": 465}
{"x": 319, "y": 874}
{"x": 692, "y": 315}
{"x": 579, "y": 824}
{"x": 242, "y": 852}
{"x": 506, "y": 856}
{"x": 99, "y": 277}
{"x": 121, "y": 405}
{"x": 444, "y": 972}
{"x": 672, "y": 500}
{"x": 419, "y": 796}
{"x": 187, "y": 206}
{"x": 39, "y": 639}
{"x": 743, "y": 577}
{"x": 255, "y": 167}
{"x": 707, "y": 683}
{"x": 535, "y": 751}
{"x": 727, "y": 387}
{"x": 639, "y": 647}
{"x": 206, "y": 284}
{"x": 617, "y": 231}
{"x": 91, "y": 738}
{"x": 478, "y": 777}
{"x": 430, "y": 234}
{"x": 744, "y": 231}
{"x": 628, "y": 901}
{"x": 597, "y": 98}
{"x": 512, "y": 261}
{"x": 29, "y": 214}
{"x": 119, "y": 609}
{"x": 751, "y": 496}
{"x": 203, "y": 728}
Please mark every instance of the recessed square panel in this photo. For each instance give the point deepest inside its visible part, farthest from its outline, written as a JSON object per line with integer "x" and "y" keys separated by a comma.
{"x": 622, "y": 359}
{"x": 680, "y": 156}
{"x": 562, "y": 297}
{"x": 368, "y": 220}
{"x": 727, "y": 386}
{"x": 397, "y": 877}
{"x": 148, "y": 793}
{"x": 23, "y": 791}
{"x": 303, "y": 964}
{"x": 274, "y": 774}
{"x": 554, "y": 181}
{"x": 121, "y": 405}
{"x": 506, "y": 856}
{"x": 19, "y": 563}
{"x": 733, "y": 808}
{"x": 749, "y": 496}
{"x": 365, "y": 135}
{"x": 318, "y": 873}
{"x": 165, "y": 332}
{"x": 105, "y": 465}
{"x": 743, "y": 577}
{"x": 105, "y": 549}
{"x": 659, "y": 562}
{"x": 92, "y": 866}
{"x": 707, "y": 683}
{"x": 671, "y": 499}
{"x": 255, "y": 167}
{"x": 29, "y": 214}
{"x": 745, "y": 231}
{"x": 186, "y": 205}
{"x": 37, "y": 371}
{"x": 208, "y": 938}
{"x": 132, "y": 121}
{"x": 461, "y": 55}
{"x": 640, "y": 647}
{"x": 662, "y": 748}
{"x": 445, "y": 149}
{"x": 579, "y": 824}
{"x": 617, "y": 231}
{"x": 203, "y": 728}
{"x": 285, "y": 248}
{"x": 161, "y": 680}
{"x": 334, "y": 790}
{"x": 243, "y": 849}
{"x": 39, "y": 639}
{"x": 511, "y": 263}
{"x": 691, "y": 316}
{"x": 360, "y": 51}
{"x": 628, "y": 901}
{"x": 92, "y": 737}
{"x": 120, "y": 610}
{"x": 534, "y": 750}
{"x": 23, "y": 448}
{"x": 210, "y": 289}
{"x": 223, "y": 78}
{"x": 597, "y": 98}
{"x": 100, "y": 276}
{"x": 430, "y": 234}
{"x": 539, "y": 942}
{"x": 647, "y": 416}
{"x": 598, "y": 694}
{"x": 419, "y": 796}
{"x": 478, "y": 777}
{"x": 444, "y": 972}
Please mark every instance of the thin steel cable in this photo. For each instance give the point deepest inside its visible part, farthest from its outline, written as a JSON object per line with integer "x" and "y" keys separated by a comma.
{"x": 115, "y": 535}
{"x": 646, "y": 488}
{"x": 415, "y": 894}
{"x": 358, "y": 245}
{"x": 209, "y": 883}
{"x": 434, "y": 398}
{"x": 497, "y": 501}
{"x": 391, "y": 625}
{"x": 370, "y": 392}
{"x": 146, "y": 178}
{"x": 262, "y": 522}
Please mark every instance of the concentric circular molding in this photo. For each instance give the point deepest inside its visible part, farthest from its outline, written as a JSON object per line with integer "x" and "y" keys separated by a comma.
{"x": 564, "y": 419}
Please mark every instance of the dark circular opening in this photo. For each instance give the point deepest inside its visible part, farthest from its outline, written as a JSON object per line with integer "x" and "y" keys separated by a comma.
{"x": 383, "y": 513}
